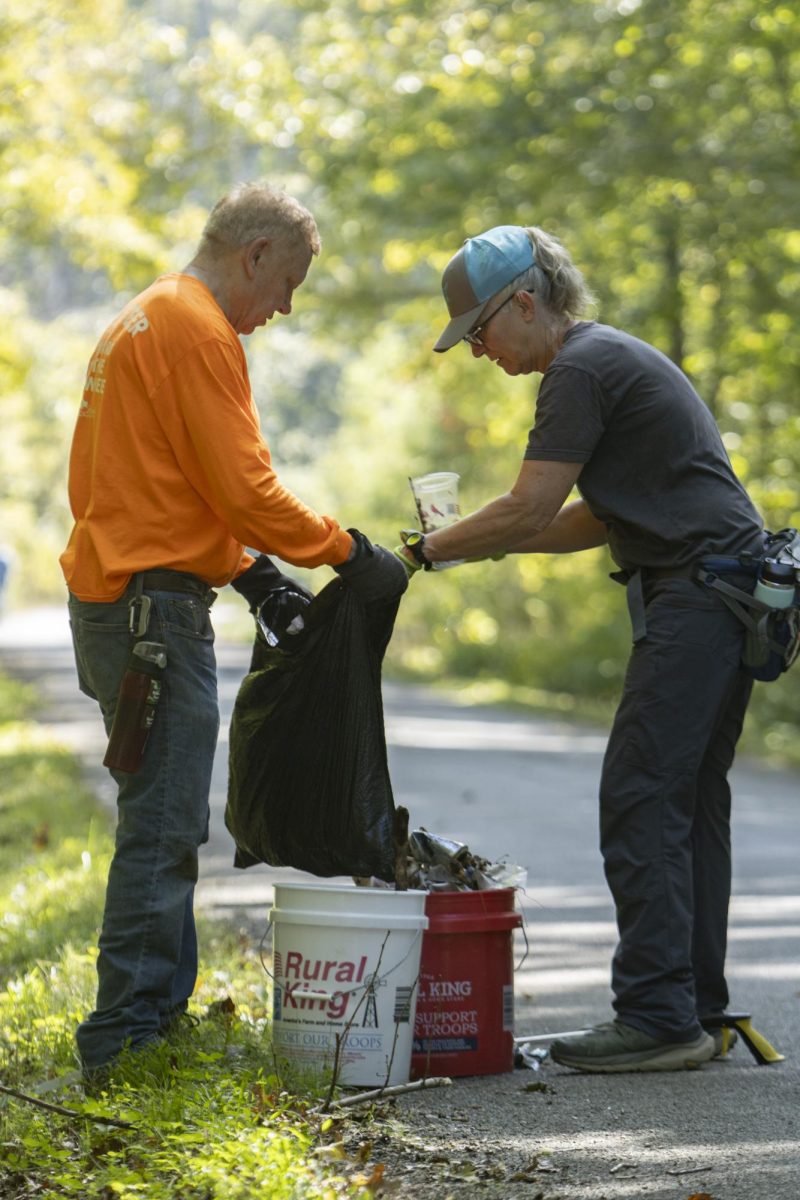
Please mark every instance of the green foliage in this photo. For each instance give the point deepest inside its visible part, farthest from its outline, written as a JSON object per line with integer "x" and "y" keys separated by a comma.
{"x": 657, "y": 138}
{"x": 17, "y": 700}
{"x": 50, "y": 850}
{"x": 212, "y": 1120}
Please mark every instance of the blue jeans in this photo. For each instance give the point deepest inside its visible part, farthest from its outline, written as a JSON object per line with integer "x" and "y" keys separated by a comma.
{"x": 147, "y": 965}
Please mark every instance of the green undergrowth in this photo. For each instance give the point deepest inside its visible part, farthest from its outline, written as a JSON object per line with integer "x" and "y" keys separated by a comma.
{"x": 210, "y": 1115}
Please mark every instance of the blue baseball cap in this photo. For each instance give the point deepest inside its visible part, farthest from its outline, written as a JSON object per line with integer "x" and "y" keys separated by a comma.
{"x": 482, "y": 267}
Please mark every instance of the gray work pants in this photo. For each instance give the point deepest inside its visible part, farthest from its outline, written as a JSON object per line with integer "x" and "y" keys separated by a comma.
{"x": 665, "y": 810}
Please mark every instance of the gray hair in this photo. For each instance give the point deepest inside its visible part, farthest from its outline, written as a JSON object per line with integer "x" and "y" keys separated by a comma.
{"x": 255, "y": 210}
{"x": 554, "y": 277}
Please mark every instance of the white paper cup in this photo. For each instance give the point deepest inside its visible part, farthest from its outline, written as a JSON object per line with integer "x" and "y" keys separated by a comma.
{"x": 436, "y": 497}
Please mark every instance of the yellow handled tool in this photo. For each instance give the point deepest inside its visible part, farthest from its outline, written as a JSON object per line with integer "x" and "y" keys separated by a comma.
{"x": 762, "y": 1051}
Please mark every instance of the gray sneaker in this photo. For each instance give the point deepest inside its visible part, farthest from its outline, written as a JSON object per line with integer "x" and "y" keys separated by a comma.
{"x": 614, "y": 1046}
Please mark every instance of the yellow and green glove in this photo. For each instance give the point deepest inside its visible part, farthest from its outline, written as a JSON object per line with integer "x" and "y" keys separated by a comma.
{"x": 412, "y": 553}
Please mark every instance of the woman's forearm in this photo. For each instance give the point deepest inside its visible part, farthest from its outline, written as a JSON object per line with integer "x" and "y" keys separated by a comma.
{"x": 519, "y": 516}
{"x": 573, "y": 528}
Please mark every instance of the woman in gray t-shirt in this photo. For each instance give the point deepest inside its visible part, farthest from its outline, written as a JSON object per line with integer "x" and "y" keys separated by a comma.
{"x": 620, "y": 421}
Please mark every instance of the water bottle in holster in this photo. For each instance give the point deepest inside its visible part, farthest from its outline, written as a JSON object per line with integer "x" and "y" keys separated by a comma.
{"x": 775, "y": 588}
{"x": 137, "y": 701}
{"x": 770, "y": 608}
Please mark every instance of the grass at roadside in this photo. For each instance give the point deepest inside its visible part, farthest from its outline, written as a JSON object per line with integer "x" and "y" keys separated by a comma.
{"x": 211, "y": 1117}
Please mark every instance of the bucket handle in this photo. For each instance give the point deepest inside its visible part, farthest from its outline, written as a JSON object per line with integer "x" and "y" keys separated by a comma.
{"x": 369, "y": 982}
{"x": 524, "y": 928}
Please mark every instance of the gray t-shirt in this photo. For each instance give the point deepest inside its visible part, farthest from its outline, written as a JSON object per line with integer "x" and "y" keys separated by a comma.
{"x": 656, "y": 470}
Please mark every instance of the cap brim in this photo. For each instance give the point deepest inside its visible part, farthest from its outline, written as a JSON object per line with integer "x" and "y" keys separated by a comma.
{"x": 458, "y": 327}
{"x": 469, "y": 320}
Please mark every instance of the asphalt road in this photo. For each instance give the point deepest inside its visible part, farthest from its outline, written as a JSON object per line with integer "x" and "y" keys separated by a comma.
{"x": 524, "y": 789}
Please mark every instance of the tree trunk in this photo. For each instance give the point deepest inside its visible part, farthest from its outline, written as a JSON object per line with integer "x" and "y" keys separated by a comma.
{"x": 673, "y": 297}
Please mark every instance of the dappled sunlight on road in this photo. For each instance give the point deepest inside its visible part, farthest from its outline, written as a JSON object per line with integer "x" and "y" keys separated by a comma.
{"x": 789, "y": 969}
{"x": 561, "y": 979}
{"x": 653, "y": 1137}
{"x": 762, "y": 933}
{"x": 474, "y": 733}
{"x": 745, "y": 907}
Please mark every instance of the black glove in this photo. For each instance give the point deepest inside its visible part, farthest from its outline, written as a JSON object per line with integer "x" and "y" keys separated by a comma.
{"x": 263, "y": 577}
{"x": 373, "y": 572}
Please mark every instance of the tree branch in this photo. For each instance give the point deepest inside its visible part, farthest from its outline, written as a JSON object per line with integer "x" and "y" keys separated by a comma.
{"x": 65, "y": 1112}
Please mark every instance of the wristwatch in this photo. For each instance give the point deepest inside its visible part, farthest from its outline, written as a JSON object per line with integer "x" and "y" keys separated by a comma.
{"x": 415, "y": 542}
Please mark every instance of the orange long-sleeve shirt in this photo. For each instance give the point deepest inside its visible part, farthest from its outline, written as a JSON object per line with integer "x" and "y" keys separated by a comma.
{"x": 168, "y": 467}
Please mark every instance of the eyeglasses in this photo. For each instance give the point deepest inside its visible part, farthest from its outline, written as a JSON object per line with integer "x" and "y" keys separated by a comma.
{"x": 474, "y": 338}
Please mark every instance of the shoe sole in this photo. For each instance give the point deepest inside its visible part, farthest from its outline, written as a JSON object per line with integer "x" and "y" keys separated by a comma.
{"x": 681, "y": 1057}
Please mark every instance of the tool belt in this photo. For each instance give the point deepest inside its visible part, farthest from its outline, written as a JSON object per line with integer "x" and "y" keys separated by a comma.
{"x": 772, "y": 638}
{"x": 772, "y": 635}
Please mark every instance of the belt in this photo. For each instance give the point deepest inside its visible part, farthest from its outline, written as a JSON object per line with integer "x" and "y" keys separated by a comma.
{"x": 164, "y": 579}
{"x": 635, "y": 580}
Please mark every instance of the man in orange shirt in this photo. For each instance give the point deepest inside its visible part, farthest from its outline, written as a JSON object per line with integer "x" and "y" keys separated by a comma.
{"x": 169, "y": 480}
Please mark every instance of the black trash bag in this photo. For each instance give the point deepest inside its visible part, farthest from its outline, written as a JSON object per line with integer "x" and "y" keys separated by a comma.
{"x": 308, "y": 781}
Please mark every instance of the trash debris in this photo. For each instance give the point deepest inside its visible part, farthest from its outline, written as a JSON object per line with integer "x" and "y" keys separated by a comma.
{"x": 281, "y": 613}
{"x": 530, "y": 1057}
{"x": 437, "y": 864}
{"x": 547, "y": 1164}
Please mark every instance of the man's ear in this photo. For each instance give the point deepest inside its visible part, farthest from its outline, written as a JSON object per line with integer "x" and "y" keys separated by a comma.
{"x": 253, "y": 252}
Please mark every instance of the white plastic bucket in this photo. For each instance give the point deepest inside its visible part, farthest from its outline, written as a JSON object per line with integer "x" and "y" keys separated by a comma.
{"x": 346, "y": 962}
{"x": 437, "y": 499}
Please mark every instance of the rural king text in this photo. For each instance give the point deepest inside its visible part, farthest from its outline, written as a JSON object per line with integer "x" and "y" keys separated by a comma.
{"x": 299, "y": 972}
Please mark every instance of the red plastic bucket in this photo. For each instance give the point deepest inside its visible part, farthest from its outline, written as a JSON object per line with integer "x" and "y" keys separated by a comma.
{"x": 465, "y": 1002}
